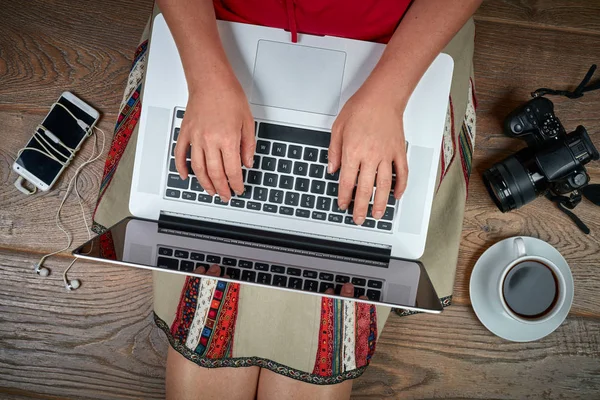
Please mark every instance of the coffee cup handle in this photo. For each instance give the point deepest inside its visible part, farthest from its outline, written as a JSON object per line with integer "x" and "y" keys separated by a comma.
{"x": 519, "y": 244}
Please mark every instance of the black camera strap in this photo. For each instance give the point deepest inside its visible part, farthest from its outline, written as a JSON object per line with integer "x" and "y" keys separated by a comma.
{"x": 565, "y": 203}
{"x": 575, "y": 94}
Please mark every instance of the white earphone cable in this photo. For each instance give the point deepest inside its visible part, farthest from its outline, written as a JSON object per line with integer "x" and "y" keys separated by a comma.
{"x": 79, "y": 198}
{"x": 43, "y": 142}
{"x": 73, "y": 182}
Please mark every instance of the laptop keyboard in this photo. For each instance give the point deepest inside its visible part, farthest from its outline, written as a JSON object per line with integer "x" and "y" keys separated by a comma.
{"x": 305, "y": 279}
{"x": 289, "y": 178}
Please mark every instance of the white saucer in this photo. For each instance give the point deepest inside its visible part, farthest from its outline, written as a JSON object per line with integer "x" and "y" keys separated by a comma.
{"x": 486, "y": 302}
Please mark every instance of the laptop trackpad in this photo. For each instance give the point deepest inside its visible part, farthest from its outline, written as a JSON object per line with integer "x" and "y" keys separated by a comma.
{"x": 298, "y": 77}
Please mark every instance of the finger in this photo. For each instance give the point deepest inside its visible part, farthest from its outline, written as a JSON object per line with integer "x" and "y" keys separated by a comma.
{"x": 347, "y": 290}
{"x": 329, "y": 291}
{"x": 363, "y": 298}
{"x": 181, "y": 149}
{"x": 401, "y": 167}
{"x": 200, "y": 270}
{"x": 199, "y": 168}
{"x": 382, "y": 190}
{"x": 347, "y": 181}
{"x": 248, "y": 142}
{"x": 214, "y": 270}
{"x": 334, "y": 154}
{"x": 233, "y": 169}
{"x": 214, "y": 164}
{"x": 364, "y": 191}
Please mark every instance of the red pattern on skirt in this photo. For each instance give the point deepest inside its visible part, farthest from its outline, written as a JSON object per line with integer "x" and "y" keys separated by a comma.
{"x": 324, "y": 361}
{"x": 363, "y": 322}
{"x": 221, "y": 344}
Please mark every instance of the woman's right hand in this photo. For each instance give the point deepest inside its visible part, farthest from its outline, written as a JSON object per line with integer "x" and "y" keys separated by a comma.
{"x": 220, "y": 128}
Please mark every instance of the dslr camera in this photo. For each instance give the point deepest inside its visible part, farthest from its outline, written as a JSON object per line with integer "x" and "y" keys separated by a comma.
{"x": 553, "y": 161}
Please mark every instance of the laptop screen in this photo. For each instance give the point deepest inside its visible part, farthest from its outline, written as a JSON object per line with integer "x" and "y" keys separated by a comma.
{"x": 280, "y": 262}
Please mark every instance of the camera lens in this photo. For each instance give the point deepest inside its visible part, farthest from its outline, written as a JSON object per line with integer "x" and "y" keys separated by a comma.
{"x": 510, "y": 184}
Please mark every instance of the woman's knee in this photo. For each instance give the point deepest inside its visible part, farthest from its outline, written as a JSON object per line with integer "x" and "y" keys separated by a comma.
{"x": 186, "y": 380}
{"x": 275, "y": 386}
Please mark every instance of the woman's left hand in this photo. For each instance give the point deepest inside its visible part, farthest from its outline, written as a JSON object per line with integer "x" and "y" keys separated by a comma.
{"x": 368, "y": 135}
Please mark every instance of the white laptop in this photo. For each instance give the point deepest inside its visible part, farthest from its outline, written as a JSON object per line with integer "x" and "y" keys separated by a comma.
{"x": 287, "y": 222}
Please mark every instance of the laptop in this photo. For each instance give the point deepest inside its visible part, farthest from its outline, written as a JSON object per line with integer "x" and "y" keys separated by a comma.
{"x": 286, "y": 230}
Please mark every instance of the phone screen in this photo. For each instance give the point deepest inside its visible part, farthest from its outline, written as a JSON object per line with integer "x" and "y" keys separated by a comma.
{"x": 63, "y": 126}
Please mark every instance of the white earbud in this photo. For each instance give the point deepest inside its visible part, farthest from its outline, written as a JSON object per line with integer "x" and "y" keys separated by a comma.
{"x": 72, "y": 285}
{"x": 41, "y": 271}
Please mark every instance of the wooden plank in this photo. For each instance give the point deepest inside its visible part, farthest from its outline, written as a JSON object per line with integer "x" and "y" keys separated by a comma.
{"x": 28, "y": 222}
{"x": 484, "y": 226}
{"x": 508, "y": 67}
{"x": 98, "y": 342}
{"x": 503, "y": 82}
{"x": 47, "y": 48}
{"x": 568, "y": 15}
{"x": 453, "y": 356}
{"x": 85, "y": 47}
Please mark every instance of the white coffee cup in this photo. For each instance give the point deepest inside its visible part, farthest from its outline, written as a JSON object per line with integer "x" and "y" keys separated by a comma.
{"x": 521, "y": 256}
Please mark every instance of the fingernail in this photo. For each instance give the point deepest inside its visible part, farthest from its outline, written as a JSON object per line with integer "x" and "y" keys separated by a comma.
{"x": 330, "y": 167}
{"x": 249, "y": 161}
{"x": 238, "y": 193}
{"x": 210, "y": 192}
{"x": 214, "y": 268}
{"x": 378, "y": 214}
{"x": 359, "y": 220}
{"x": 343, "y": 206}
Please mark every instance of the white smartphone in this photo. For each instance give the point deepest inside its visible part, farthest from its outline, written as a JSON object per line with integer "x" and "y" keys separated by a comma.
{"x": 40, "y": 169}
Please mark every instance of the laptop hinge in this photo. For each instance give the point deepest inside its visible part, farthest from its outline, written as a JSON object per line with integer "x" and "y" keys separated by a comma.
{"x": 278, "y": 239}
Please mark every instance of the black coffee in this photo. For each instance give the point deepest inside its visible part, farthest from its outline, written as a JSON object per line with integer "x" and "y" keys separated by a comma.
{"x": 530, "y": 289}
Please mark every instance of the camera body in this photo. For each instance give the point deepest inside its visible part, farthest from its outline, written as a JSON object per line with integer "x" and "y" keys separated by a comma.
{"x": 552, "y": 161}
{"x": 534, "y": 122}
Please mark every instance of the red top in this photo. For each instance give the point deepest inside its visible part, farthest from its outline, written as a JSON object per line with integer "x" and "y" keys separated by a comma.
{"x": 372, "y": 20}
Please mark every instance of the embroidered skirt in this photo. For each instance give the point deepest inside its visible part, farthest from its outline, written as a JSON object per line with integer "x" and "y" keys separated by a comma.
{"x": 313, "y": 339}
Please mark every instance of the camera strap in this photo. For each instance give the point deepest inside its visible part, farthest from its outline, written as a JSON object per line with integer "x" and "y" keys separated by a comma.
{"x": 583, "y": 87}
{"x": 564, "y": 203}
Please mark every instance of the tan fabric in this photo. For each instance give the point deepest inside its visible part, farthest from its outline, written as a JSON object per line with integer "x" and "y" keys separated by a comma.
{"x": 441, "y": 249}
{"x": 461, "y": 49}
{"x": 293, "y": 318}
{"x": 167, "y": 289}
{"x": 114, "y": 205}
{"x": 280, "y": 312}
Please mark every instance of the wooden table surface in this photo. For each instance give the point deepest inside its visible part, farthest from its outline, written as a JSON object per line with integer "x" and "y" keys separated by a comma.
{"x": 99, "y": 342}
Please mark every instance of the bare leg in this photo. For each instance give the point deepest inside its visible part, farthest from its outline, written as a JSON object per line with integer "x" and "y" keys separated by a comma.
{"x": 186, "y": 380}
{"x": 275, "y": 386}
